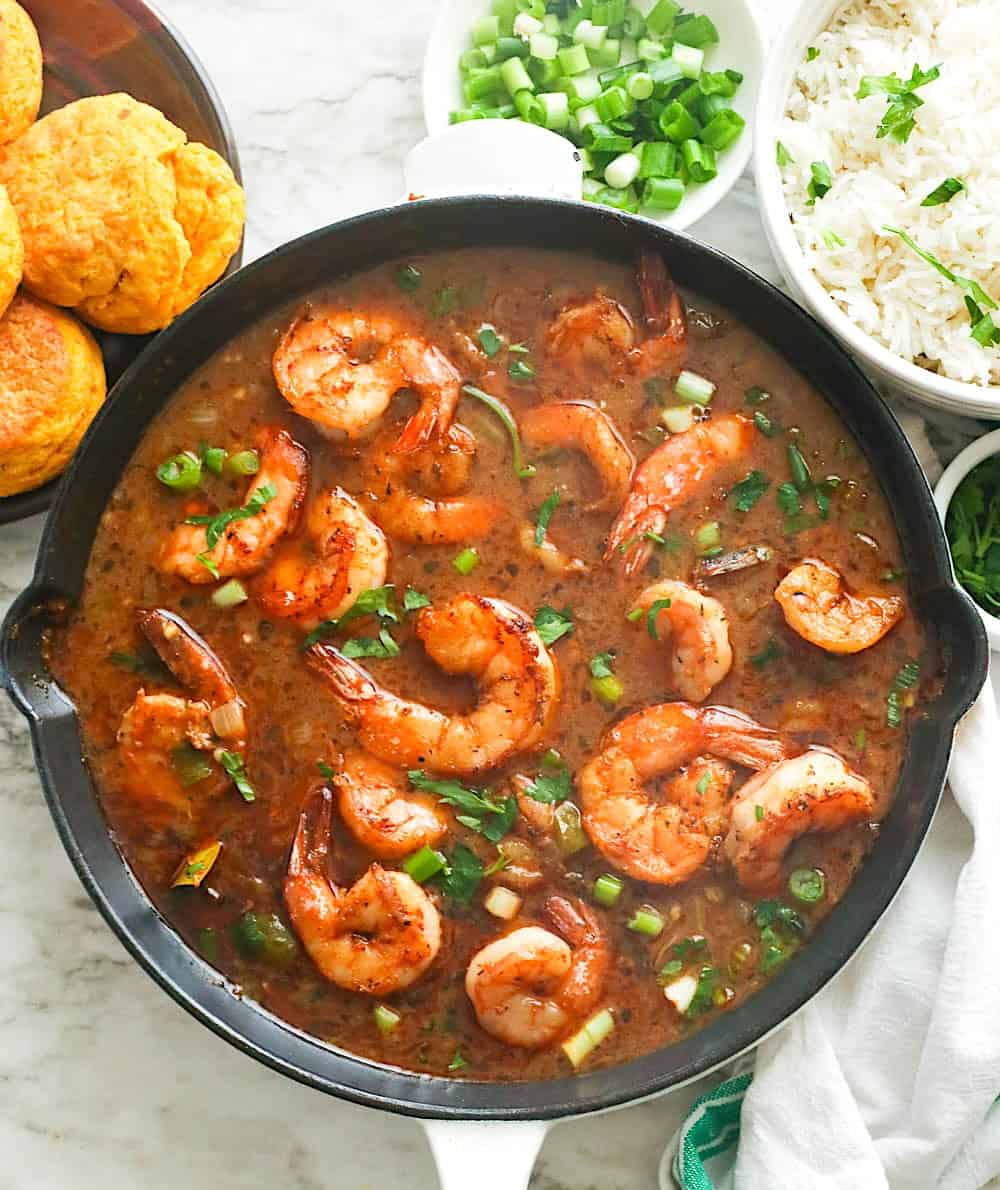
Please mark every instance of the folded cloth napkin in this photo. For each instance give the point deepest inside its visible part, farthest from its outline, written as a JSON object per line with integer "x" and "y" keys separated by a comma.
{"x": 889, "y": 1078}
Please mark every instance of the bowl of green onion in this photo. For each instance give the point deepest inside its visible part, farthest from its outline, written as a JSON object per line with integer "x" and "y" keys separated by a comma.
{"x": 968, "y": 499}
{"x": 655, "y": 98}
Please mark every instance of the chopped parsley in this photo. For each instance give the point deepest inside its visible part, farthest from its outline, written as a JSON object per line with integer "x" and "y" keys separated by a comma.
{"x": 480, "y": 811}
{"x": 653, "y": 615}
{"x": 325, "y": 770}
{"x": 489, "y": 340}
{"x": 899, "y": 119}
{"x": 782, "y": 155}
{"x": 822, "y": 180}
{"x": 414, "y": 600}
{"x": 217, "y": 523}
{"x": 943, "y": 193}
{"x": 461, "y": 876}
{"x": 749, "y": 490}
{"x": 551, "y": 624}
{"x": 232, "y": 762}
{"x": 770, "y": 652}
{"x": 553, "y": 786}
{"x": 545, "y": 516}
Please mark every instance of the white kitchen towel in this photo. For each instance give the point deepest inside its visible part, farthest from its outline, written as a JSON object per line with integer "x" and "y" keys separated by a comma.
{"x": 889, "y": 1079}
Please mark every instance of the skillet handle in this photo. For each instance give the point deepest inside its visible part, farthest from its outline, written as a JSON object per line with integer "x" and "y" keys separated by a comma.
{"x": 487, "y": 1154}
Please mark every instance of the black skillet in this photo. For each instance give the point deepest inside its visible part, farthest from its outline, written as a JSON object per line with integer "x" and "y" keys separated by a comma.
{"x": 317, "y": 260}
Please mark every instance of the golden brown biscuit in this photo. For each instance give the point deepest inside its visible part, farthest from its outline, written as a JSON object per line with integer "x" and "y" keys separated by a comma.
{"x": 121, "y": 218}
{"x": 51, "y": 385}
{"x": 11, "y": 251}
{"x": 20, "y": 71}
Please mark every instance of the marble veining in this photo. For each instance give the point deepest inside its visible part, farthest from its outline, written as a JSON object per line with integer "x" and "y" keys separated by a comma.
{"x": 105, "y": 1084}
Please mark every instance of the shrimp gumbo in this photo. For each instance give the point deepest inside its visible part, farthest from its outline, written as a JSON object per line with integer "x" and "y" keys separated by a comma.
{"x": 497, "y": 664}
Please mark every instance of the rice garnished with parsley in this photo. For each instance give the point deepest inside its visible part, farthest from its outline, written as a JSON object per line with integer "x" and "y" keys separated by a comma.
{"x": 878, "y": 279}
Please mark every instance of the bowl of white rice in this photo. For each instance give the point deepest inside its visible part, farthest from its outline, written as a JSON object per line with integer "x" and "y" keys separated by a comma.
{"x": 878, "y": 173}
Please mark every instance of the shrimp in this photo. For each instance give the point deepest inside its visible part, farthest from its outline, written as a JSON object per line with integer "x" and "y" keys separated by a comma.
{"x": 488, "y": 640}
{"x": 529, "y": 987}
{"x": 666, "y": 843}
{"x": 697, "y": 630}
{"x": 581, "y": 425}
{"x": 382, "y": 812}
{"x": 379, "y": 936}
{"x": 818, "y": 606}
{"x": 599, "y": 333}
{"x": 247, "y": 540}
{"x": 548, "y": 555}
{"x": 349, "y": 555}
{"x": 155, "y": 726}
{"x": 671, "y": 476}
{"x": 815, "y": 791}
{"x": 341, "y": 369}
{"x": 444, "y": 517}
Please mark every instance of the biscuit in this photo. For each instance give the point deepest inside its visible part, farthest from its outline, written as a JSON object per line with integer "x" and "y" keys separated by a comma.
{"x": 121, "y": 218}
{"x": 51, "y": 385}
{"x": 20, "y": 71}
{"x": 11, "y": 251}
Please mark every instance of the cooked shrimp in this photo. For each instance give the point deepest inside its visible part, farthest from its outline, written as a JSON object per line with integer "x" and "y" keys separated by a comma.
{"x": 539, "y": 816}
{"x": 697, "y": 631}
{"x": 379, "y": 936}
{"x": 156, "y": 725}
{"x": 671, "y": 476}
{"x": 382, "y": 812}
{"x": 246, "y": 542}
{"x": 548, "y": 555}
{"x": 341, "y": 369}
{"x": 815, "y": 791}
{"x": 818, "y": 606}
{"x": 348, "y": 555}
{"x": 531, "y": 986}
{"x": 488, "y": 640}
{"x": 666, "y": 843}
{"x": 443, "y": 517}
{"x": 599, "y": 334}
{"x": 582, "y": 426}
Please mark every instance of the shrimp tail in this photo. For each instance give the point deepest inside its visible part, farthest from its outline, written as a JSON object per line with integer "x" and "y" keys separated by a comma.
{"x": 571, "y": 918}
{"x": 662, "y": 306}
{"x": 628, "y": 538}
{"x": 743, "y": 740}
{"x": 429, "y": 371}
{"x": 348, "y": 682}
{"x": 311, "y": 846}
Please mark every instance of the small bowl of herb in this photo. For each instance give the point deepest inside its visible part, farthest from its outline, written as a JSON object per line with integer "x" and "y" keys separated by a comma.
{"x": 968, "y": 499}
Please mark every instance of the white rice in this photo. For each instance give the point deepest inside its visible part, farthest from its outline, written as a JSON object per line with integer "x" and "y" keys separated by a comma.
{"x": 880, "y": 283}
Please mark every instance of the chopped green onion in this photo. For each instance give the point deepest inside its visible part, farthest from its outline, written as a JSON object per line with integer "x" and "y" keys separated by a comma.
{"x": 663, "y": 194}
{"x": 573, "y": 59}
{"x": 677, "y": 124}
{"x": 386, "y": 1019}
{"x": 555, "y": 108}
{"x": 466, "y": 561}
{"x": 689, "y": 58}
{"x": 647, "y": 921}
{"x": 485, "y": 30}
{"x": 607, "y": 889}
{"x": 515, "y": 78}
{"x": 544, "y": 46}
{"x": 694, "y": 389}
{"x": 812, "y": 53}
{"x": 639, "y": 85}
{"x": 724, "y": 127}
{"x": 570, "y": 835}
{"x": 408, "y": 278}
{"x": 604, "y": 685}
{"x": 770, "y": 429}
{"x": 807, "y": 885}
{"x": 244, "y": 462}
{"x": 545, "y": 516}
{"x": 660, "y": 20}
{"x": 832, "y": 240}
{"x": 622, "y": 171}
{"x": 659, "y": 160}
{"x": 943, "y": 193}
{"x": 582, "y": 1044}
{"x": 520, "y": 369}
{"x": 696, "y": 31}
{"x": 758, "y": 813}
{"x": 699, "y": 160}
{"x": 423, "y": 864}
{"x": 230, "y": 594}
{"x": 213, "y": 458}
{"x": 708, "y": 537}
{"x": 181, "y": 473}
{"x": 679, "y": 418}
{"x": 522, "y": 469}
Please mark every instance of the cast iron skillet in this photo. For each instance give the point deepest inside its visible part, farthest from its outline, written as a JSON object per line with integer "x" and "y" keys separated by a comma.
{"x": 313, "y": 261}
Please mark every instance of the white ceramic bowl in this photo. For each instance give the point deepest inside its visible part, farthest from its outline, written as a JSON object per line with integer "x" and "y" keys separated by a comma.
{"x": 741, "y": 47}
{"x": 961, "y": 465}
{"x": 788, "y": 51}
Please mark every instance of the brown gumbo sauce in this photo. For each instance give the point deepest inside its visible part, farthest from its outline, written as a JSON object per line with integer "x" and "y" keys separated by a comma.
{"x": 712, "y": 927}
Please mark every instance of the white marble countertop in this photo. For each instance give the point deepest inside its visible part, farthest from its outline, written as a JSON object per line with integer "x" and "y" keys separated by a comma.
{"x": 105, "y": 1084}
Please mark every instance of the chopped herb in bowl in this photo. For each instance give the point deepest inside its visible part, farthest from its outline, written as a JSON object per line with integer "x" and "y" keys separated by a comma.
{"x": 973, "y": 528}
